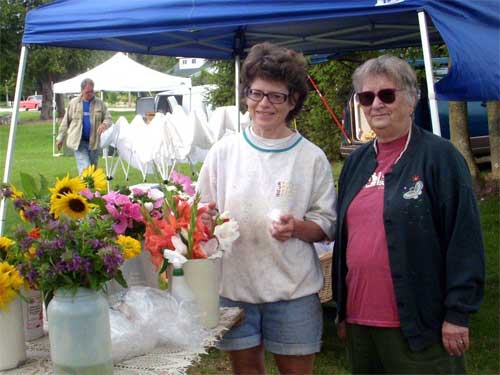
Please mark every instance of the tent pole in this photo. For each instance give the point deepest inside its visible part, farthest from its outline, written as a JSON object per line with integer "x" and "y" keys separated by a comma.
{"x": 53, "y": 121}
{"x": 54, "y": 134}
{"x": 429, "y": 76}
{"x": 13, "y": 128}
{"x": 237, "y": 89}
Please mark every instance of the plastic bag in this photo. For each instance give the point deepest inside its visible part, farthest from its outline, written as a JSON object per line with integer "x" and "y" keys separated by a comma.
{"x": 142, "y": 318}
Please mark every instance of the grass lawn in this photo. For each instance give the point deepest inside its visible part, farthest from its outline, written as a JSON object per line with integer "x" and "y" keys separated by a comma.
{"x": 33, "y": 154}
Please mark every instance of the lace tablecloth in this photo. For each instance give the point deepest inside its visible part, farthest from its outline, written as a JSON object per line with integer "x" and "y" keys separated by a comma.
{"x": 162, "y": 360}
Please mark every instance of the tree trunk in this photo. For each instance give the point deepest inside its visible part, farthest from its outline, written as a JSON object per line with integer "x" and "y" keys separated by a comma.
{"x": 60, "y": 105}
{"x": 46, "y": 113}
{"x": 459, "y": 135}
{"x": 494, "y": 129}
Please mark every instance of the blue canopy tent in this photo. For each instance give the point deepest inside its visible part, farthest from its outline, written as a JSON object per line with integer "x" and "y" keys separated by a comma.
{"x": 226, "y": 29}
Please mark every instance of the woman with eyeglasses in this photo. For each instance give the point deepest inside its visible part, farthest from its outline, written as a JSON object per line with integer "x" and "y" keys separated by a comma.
{"x": 279, "y": 187}
{"x": 408, "y": 258}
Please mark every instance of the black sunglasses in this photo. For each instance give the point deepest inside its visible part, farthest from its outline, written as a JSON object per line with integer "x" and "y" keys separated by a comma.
{"x": 386, "y": 96}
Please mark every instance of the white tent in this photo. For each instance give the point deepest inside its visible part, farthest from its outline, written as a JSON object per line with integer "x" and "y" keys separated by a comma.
{"x": 121, "y": 73}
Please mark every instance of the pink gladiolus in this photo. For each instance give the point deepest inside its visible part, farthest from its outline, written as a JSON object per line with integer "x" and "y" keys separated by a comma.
{"x": 184, "y": 181}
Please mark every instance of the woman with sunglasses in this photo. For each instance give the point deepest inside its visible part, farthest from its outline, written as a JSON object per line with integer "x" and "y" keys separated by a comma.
{"x": 409, "y": 262}
{"x": 279, "y": 187}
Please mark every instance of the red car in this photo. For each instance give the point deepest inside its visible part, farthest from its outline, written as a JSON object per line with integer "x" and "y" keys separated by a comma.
{"x": 33, "y": 102}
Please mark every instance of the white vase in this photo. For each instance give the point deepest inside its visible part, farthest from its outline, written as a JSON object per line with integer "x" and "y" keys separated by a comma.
{"x": 202, "y": 276}
{"x": 138, "y": 271}
{"x": 12, "y": 346}
{"x": 79, "y": 333}
{"x": 33, "y": 315}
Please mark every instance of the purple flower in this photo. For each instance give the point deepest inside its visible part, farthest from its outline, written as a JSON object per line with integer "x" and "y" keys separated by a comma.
{"x": 32, "y": 276}
{"x": 26, "y": 243}
{"x": 94, "y": 243}
{"x": 60, "y": 267}
{"x": 32, "y": 212}
{"x": 112, "y": 258}
{"x": 86, "y": 266}
{"x": 75, "y": 264}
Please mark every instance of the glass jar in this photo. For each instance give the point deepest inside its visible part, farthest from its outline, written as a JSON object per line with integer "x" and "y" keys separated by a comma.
{"x": 79, "y": 333}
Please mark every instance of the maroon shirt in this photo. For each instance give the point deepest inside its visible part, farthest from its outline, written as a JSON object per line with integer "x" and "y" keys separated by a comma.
{"x": 370, "y": 292}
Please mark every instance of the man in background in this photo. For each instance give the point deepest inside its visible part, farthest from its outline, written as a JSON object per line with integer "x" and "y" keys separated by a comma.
{"x": 85, "y": 120}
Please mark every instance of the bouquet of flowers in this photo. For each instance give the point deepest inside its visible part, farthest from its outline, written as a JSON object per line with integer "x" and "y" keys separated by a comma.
{"x": 71, "y": 239}
{"x": 181, "y": 229}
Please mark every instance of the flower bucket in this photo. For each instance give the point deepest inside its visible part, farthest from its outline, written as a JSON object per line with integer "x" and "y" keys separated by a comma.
{"x": 79, "y": 333}
{"x": 12, "y": 346}
{"x": 202, "y": 276}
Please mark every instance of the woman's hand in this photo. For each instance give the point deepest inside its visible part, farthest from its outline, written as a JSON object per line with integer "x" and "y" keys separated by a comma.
{"x": 207, "y": 217}
{"x": 342, "y": 331}
{"x": 455, "y": 339}
{"x": 283, "y": 230}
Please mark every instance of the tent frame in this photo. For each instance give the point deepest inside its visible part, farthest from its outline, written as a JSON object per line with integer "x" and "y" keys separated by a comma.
{"x": 277, "y": 39}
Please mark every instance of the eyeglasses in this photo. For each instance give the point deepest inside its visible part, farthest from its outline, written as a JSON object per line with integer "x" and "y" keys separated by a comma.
{"x": 273, "y": 97}
{"x": 386, "y": 96}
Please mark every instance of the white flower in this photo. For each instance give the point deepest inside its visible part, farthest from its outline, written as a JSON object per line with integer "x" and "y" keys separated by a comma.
{"x": 225, "y": 215}
{"x": 171, "y": 188}
{"x": 180, "y": 247}
{"x": 148, "y": 206}
{"x": 155, "y": 194}
{"x": 227, "y": 233}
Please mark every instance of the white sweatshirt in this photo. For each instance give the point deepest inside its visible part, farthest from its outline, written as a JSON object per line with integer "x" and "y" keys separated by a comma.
{"x": 251, "y": 176}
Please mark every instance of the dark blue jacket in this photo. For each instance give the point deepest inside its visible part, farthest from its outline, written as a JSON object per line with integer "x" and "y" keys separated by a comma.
{"x": 433, "y": 232}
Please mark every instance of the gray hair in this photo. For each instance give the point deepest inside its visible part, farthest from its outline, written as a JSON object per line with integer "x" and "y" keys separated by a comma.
{"x": 395, "y": 69}
{"x": 86, "y": 82}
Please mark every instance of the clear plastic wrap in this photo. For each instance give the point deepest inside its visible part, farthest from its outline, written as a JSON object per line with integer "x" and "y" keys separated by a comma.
{"x": 142, "y": 318}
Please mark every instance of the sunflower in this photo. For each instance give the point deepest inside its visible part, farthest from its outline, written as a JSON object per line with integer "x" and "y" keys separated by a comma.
{"x": 65, "y": 186}
{"x": 10, "y": 283}
{"x": 5, "y": 243}
{"x": 130, "y": 246}
{"x": 72, "y": 204}
{"x": 94, "y": 179}
{"x": 16, "y": 194}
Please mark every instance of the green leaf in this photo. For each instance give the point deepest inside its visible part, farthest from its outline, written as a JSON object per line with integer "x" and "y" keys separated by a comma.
{"x": 120, "y": 279}
{"x": 163, "y": 266}
{"x": 44, "y": 186}
{"x": 29, "y": 185}
{"x": 93, "y": 279}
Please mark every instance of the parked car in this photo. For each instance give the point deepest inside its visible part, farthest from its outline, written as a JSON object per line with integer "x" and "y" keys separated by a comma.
{"x": 359, "y": 131}
{"x": 32, "y": 102}
{"x": 188, "y": 98}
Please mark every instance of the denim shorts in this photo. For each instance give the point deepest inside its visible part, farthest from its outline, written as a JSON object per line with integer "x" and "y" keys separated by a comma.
{"x": 291, "y": 327}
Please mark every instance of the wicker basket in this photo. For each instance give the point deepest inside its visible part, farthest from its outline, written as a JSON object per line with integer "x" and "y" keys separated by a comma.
{"x": 325, "y": 293}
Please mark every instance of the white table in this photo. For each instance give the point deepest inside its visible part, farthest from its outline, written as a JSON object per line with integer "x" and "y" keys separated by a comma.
{"x": 162, "y": 360}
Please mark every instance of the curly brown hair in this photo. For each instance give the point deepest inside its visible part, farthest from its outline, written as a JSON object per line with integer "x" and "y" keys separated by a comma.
{"x": 278, "y": 64}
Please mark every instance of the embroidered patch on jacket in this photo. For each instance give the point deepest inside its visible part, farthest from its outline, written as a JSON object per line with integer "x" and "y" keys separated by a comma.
{"x": 414, "y": 191}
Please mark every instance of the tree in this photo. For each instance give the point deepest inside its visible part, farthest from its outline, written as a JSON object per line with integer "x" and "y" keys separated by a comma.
{"x": 224, "y": 79}
{"x": 459, "y": 136}
{"x": 494, "y": 129}
{"x": 45, "y": 64}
